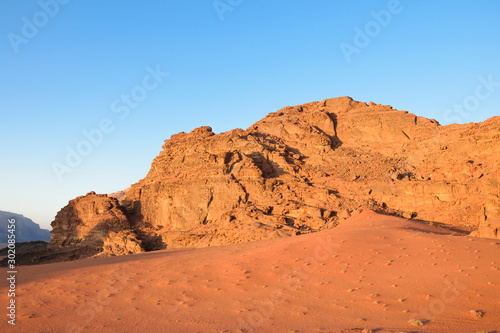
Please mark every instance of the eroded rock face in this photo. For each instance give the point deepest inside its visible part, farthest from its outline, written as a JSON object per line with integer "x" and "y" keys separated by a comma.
{"x": 299, "y": 170}
{"x": 121, "y": 243}
{"x": 87, "y": 220}
{"x": 488, "y": 229}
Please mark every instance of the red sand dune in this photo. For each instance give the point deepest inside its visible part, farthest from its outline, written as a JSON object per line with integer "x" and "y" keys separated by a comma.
{"x": 372, "y": 272}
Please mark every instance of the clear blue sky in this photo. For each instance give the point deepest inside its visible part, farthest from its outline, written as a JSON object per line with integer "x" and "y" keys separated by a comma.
{"x": 72, "y": 68}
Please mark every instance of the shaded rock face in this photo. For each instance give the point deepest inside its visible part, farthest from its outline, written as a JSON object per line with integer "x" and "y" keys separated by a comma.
{"x": 299, "y": 170}
{"x": 23, "y": 248}
{"x": 86, "y": 220}
{"x": 26, "y": 229}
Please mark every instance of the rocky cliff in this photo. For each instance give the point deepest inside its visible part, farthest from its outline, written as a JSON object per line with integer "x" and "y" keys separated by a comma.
{"x": 299, "y": 170}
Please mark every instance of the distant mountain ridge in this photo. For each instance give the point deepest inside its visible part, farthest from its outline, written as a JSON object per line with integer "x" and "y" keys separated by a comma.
{"x": 26, "y": 229}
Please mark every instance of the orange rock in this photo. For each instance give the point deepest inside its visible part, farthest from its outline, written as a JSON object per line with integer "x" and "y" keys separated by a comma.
{"x": 299, "y": 170}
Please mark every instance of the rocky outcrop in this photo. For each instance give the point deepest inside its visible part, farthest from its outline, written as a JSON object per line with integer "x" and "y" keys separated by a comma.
{"x": 25, "y": 229}
{"x": 121, "y": 243}
{"x": 299, "y": 170}
{"x": 488, "y": 229}
{"x": 87, "y": 220}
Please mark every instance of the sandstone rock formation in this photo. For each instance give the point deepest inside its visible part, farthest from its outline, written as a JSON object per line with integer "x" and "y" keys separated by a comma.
{"x": 87, "y": 220}
{"x": 299, "y": 170}
{"x": 121, "y": 243}
{"x": 488, "y": 229}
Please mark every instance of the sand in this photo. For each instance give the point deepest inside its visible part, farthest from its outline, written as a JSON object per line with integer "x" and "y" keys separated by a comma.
{"x": 372, "y": 272}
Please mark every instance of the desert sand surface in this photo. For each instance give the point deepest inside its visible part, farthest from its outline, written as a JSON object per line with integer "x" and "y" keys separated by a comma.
{"x": 372, "y": 272}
